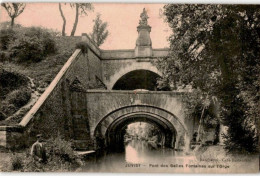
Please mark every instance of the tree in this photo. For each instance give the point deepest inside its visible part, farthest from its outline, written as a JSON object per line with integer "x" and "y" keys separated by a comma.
{"x": 14, "y": 10}
{"x": 64, "y": 20}
{"x": 216, "y": 48}
{"x": 81, "y": 9}
{"x": 99, "y": 32}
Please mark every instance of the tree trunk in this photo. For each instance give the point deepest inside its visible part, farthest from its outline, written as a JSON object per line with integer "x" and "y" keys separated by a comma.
{"x": 201, "y": 122}
{"x": 64, "y": 20}
{"x": 76, "y": 21}
{"x": 12, "y": 22}
{"x": 200, "y": 125}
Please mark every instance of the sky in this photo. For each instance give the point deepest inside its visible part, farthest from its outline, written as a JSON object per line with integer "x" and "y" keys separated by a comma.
{"x": 122, "y": 21}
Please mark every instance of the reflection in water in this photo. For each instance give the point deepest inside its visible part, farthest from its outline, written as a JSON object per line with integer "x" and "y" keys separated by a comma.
{"x": 141, "y": 156}
{"x": 136, "y": 152}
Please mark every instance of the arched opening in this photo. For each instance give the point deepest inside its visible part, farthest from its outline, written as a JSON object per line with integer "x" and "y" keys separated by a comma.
{"x": 111, "y": 130}
{"x": 138, "y": 79}
{"x": 140, "y": 128}
{"x": 167, "y": 139}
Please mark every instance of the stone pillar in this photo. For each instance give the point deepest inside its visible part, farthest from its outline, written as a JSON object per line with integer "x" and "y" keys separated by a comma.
{"x": 143, "y": 43}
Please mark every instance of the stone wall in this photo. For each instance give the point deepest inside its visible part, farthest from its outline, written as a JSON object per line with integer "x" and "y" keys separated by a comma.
{"x": 57, "y": 115}
{"x": 11, "y": 137}
{"x": 94, "y": 67}
{"x": 58, "y": 110}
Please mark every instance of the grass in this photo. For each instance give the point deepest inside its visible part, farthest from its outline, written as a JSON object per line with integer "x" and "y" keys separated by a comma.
{"x": 60, "y": 158}
{"x": 42, "y": 73}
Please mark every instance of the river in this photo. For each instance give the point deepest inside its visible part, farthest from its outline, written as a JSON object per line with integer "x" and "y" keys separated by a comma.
{"x": 137, "y": 156}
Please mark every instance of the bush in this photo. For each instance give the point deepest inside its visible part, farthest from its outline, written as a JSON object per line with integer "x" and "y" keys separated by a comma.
{"x": 46, "y": 38}
{"x": 14, "y": 92}
{"x": 60, "y": 157}
{"x": 4, "y": 56}
{"x": 8, "y": 109}
{"x": 2, "y": 116}
{"x": 6, "y": 35}
{"x": 83, "y": 46}
{"x": 19, "y": 97}
{"x": 16, "y": 162}
{"x": 33, "y": 45}
{"x": 27, "y": 49}
{"x": 61, "y": 148}
{"x": 10, "y": 81}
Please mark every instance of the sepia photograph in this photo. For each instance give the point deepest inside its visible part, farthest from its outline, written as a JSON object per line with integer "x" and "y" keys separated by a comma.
{"x": 129, "y": 88}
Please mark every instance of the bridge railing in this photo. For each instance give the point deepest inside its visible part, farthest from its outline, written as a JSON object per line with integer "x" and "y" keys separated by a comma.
{"x": 137, "y": 92}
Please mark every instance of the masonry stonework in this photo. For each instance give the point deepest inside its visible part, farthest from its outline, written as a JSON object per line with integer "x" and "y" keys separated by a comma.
{"x": 81, "y": 105}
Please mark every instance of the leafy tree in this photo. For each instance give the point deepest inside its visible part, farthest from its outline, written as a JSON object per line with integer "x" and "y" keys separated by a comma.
{"x": 216, "y": 48}
{"x": 99, "y": 32}
{"x": 81, "y": 9}
{"x": 13, "y": 10}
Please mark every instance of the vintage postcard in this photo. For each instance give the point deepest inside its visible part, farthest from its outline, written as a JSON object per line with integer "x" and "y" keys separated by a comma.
{"x": 129, "y": 88}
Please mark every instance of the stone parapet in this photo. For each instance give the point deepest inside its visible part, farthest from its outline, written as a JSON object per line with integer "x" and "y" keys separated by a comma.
{"x": 117, "y": 54}
{"x": 130, "y": 54}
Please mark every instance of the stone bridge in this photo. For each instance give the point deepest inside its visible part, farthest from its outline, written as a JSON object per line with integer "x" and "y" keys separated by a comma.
{"x": 110, "y": 111}
{"x": 115, "y": 66}
{"x": 97, "y": 94}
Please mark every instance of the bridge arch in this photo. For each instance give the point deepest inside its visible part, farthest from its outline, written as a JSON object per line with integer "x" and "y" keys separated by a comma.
{"x": 174, "y": 131}
{"x": 133, "y": 67}
{"x": 138, "y": 79}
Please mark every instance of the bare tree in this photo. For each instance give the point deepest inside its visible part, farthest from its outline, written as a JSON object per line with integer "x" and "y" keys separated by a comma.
{"x": 64, "y": 20}
{"x": 13, "y": 10}
{"x": 99, "y": 32}
{"x": 81, "y": 9}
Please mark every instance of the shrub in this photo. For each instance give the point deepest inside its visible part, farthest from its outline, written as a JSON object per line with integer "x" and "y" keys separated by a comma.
{"x": 45, "y": 36}
{"x": 10, "y": 81}
{"x": 27, "y": 49}
{"x": 19, "y": 97}
{"x": 83, "y": 46}
{"x": 14, "y": 93}
{"x": 61, "y": 148}
{"x": 61, "y": 156}
{"x": 33, "y": 45}
{"x": 8, "y": 109}
{"x": 6, "y": 35}
{"x": 4, "y": 56}
{"x": 2, "y": 116}
{"x": 16, "y": 162}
